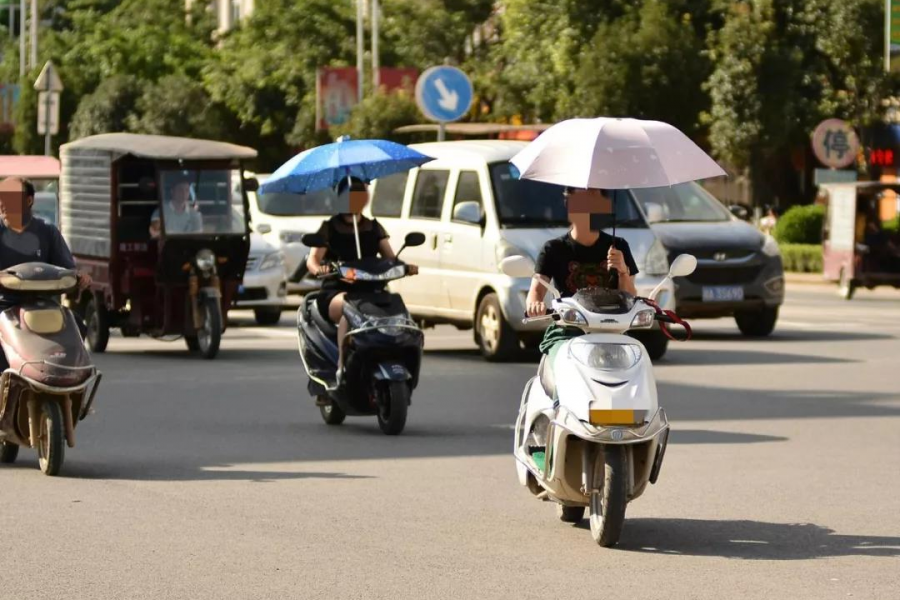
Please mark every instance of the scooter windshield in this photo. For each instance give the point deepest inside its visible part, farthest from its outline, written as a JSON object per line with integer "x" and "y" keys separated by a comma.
{"x": 605, "y": 301}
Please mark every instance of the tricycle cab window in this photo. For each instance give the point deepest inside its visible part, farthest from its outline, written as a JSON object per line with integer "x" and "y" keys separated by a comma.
{"x": 202, "y": 202}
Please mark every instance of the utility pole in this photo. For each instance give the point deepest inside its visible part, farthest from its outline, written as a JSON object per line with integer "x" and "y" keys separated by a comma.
{"x": 22, "y": 15}
{"x": 376, "y": 62}
{"x": 34, "y": 33}
{"x": 360, "y": 49}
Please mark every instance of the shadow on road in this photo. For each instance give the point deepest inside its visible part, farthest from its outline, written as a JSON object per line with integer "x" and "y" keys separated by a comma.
{"x": 703, "y": 357}
{"x": 751, "y": 540}
{"x": 704, "y": 436}
{"x": 791, "y": 335}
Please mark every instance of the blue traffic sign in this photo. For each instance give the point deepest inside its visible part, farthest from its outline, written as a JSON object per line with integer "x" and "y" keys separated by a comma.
{"x": 444, "y": 94}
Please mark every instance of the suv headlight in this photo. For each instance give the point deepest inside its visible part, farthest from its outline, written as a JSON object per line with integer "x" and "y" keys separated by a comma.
{"x": 770, "y": 247}
{"x": 275, "y": 259}
{"x": 205, "y": 260}
{"x": 606, "y": 357}
{"x": 657, "y": 262}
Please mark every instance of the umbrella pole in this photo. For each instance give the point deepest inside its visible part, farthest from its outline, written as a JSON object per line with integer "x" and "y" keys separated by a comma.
{"x": 356, "y": 235}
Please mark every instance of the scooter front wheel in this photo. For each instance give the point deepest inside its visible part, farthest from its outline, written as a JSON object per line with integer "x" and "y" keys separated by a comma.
{"x": 51, "y": 443}
{"x": 393, "y": 405}
{"x": 608, "y": 503}
{"x": 332, "y": 413}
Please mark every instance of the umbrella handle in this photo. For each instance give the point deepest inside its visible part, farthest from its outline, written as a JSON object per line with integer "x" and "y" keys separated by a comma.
{"x": 356, "y": 235}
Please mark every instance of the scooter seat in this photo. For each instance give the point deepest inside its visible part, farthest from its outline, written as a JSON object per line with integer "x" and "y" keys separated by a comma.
{"x": 321, "y": 321}
{"x": 545, "y": 375}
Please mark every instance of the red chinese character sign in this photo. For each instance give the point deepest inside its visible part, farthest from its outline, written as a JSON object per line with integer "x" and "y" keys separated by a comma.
{"x": 835, "y": 143}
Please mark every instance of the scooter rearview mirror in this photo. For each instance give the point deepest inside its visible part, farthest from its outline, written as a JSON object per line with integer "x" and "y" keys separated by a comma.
{"x": 313, "y": 240}
{"x": 683, "y": 265}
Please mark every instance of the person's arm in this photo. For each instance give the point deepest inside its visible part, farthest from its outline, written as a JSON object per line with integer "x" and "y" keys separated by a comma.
{"x": 61, "y": 256}
{"x": 534, "y": 302}
{"x": 620, "y": 258}
{"x": 155, "y": 226}
{"x": 314, "y": 262}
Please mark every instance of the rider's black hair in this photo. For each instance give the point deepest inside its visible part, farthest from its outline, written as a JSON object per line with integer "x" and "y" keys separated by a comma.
{"x": 29, "y": 188}
{"x": 353, "y": 183}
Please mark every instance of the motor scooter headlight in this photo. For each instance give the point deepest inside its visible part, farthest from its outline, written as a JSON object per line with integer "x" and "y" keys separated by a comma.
{"x": 643, "y": 319}
{"x": 606, "y": 357}
{"x": 205, "y": 260}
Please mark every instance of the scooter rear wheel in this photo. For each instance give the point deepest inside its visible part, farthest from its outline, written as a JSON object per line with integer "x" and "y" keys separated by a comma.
{"x": 8, "y": 452}
{"x": 608, "y": 503}
{"x": 51, "y": 443}
{"x": 393, "y": 405}
{"x": 332, "y": 413}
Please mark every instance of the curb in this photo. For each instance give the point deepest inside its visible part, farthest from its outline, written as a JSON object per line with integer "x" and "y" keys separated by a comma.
{"x": 806, "y": 279}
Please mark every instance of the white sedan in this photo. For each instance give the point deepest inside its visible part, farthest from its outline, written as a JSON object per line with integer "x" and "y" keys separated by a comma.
{"x": 264, "y": 288}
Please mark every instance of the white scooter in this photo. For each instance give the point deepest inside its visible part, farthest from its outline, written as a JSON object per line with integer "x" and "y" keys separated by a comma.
{"x": 590, "y": 432}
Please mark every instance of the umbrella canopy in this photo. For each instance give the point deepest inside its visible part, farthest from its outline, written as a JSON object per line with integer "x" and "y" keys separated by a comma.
{"x": 606, "y": 153}
{"x": 322, "y": 167}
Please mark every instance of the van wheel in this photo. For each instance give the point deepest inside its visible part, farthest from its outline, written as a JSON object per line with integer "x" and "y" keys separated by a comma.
{"x": 757, "y": 323}
{"x": 655, "y": 342}
{"x": 494, "y": 336}
{"x": 97, "y": 322}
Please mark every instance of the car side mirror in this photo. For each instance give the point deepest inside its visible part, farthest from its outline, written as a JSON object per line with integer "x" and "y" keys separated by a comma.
{"x": 251, "y": 185}
{"x": 740, "y": 212}
{"x": 313, "y": 240}
{"x": 517, "y": 266}
{"x": 468, "y": 212}
{"x": 683, "y": 265}
{"x": 655, "y": 213}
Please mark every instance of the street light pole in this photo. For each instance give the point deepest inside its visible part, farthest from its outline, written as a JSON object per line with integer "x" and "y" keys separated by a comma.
{"x": 376, "y": 62}
{"x": 360, "y": 49}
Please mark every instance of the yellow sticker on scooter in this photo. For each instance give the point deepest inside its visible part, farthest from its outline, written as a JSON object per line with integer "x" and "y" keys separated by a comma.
{"x": 613, "y": 417}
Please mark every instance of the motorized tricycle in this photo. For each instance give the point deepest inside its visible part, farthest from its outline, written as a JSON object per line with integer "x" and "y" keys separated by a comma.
{"x": 51, "y": 381}
{"x": 857, "y": 249}
{"x": 160, "y": 224}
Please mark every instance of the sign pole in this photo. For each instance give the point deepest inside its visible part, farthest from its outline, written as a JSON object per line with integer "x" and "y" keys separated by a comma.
{"x": 22, "y": 14}
{"x": 376, "y": 61}
{"x": 360, "y": 49}
{"x": 887, "y": 35}
{"x": 48, "y": 102}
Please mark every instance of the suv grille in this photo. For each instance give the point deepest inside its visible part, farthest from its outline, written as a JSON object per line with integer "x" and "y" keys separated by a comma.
{"x": 724, "y": 275}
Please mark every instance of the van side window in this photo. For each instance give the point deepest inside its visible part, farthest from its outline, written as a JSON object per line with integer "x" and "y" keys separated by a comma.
{"x": 468, "y": 189}
{"x": 387, "y": 200}
{"x": 428, "y": 197}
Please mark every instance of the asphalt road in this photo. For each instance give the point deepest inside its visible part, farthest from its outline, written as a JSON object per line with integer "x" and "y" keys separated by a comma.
{"x": 199, "y": 479}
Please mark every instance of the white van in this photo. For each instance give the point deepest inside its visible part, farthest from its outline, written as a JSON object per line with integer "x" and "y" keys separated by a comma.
{"x": 283, "y": 219}
{"x": 474, "y": 213}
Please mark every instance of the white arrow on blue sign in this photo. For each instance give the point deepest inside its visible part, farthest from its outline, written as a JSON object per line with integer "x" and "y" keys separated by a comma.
{"x": 444, "y": 94}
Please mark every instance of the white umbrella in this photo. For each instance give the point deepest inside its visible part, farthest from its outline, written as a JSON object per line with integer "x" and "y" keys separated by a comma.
{"x": 607, "y": 153}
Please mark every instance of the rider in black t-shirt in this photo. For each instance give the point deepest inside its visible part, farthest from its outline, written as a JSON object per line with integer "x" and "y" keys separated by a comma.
{"x": 338, "y": 233}
{"x": 582, "y": 258}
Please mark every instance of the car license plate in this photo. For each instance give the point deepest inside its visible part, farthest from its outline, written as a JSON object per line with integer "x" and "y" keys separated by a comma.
{"x": 723, "y": 293}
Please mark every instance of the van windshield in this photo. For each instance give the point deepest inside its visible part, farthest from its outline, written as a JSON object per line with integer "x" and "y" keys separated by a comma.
{"x": 320, "y": 203}
{"x": 524, "y": 203}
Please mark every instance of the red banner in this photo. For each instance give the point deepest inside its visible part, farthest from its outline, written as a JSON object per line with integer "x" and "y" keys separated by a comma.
{"x": 337, "y": 91}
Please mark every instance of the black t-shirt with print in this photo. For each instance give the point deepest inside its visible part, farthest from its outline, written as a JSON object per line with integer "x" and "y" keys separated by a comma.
{"x": 572, "y": 266}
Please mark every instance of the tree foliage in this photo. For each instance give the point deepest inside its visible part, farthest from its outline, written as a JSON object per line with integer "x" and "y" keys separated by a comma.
{"x": 379, "y": 115}
{"x": 107, "y": 109}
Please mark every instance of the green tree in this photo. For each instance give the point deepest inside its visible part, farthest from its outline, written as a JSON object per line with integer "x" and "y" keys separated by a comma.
{"x": 110, "y": 108}
{"x": 177, "y": 105}
{"x": 649, "y": 63}
{"x": 379, "y": 115}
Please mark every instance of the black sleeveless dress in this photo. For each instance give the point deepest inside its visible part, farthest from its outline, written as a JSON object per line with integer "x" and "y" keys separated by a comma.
{"x": 342, "y": 247}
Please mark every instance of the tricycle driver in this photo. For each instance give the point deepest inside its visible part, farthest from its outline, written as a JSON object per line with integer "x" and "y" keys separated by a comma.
{"x": 181, "y": 216}
{"x": 25, "y": 238}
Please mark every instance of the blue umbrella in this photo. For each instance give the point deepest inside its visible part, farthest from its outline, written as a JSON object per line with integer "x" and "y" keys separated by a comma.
{"x": 322, "y": 167}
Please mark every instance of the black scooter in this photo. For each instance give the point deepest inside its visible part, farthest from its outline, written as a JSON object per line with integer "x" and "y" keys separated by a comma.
{"x": 382, "y": 349}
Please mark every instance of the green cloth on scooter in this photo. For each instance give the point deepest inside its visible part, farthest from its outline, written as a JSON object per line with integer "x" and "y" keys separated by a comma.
{"x": 554, "y": 338}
